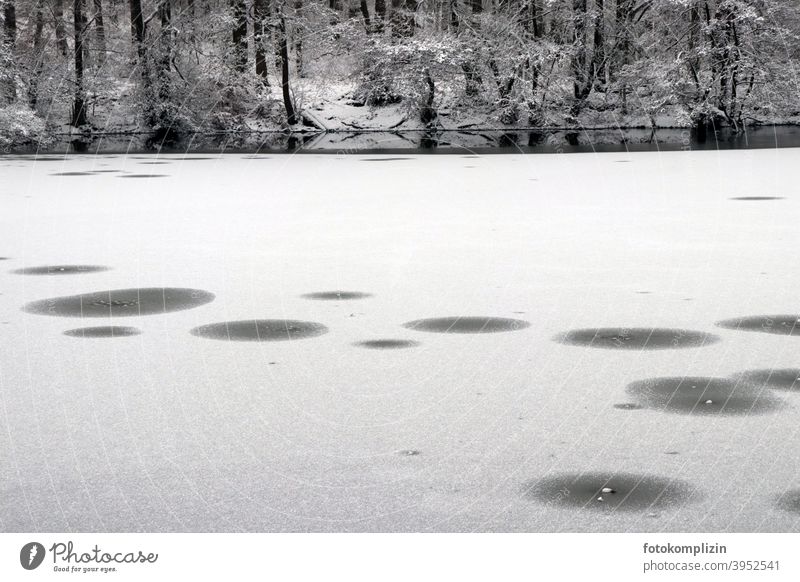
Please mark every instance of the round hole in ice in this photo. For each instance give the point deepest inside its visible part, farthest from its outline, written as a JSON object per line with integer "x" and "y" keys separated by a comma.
{"x": 260, "y": 330}
{"x": 107, "y": 331}
{"x": 636, "y": 338}
{"x": 777, "y": 379}
{"x": 774, "y": 324}
{"x": 756, "y": 198}
{"x": 387, "y": 344}
{"x": 384, "y": 159}
{"x": 702, "y": 396}
{"x": 61, "y": 270}
{"x": 143, "y": 176}
{"x": 121, "y": 302}
{"x": 336, "y": 295}
{"x": 467, "y": 324}
{"x": 610, "y": 491}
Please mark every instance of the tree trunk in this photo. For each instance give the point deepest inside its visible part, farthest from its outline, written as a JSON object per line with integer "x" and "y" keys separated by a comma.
{"x": 365, "y": 14}
{"x": 9, "y": 40}
{"x": 138, "y": 33}
{"x": 261, "y": 38}
{"x": 297, "y": 36}
{"x": 283, "y": 44}
{"x": 622, "y": 31}
{"x": 380, "y": 15}
{"x": 164, "y": 65}
{"x": 428, "y": 113}
{"x": 38, "y": 55}
{"x": 582, "y": 84}
{"x": 79, "y": 102}
{"x": 599, "y": 57}
{"x": 239, "y": 34}
{"x": 61, "y": 29}
{"x": 100, "y": 32}
{"x": 472, "y": 78}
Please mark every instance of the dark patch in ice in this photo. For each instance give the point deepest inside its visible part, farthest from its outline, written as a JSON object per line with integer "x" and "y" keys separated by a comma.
{"x": 143, "y": 176}
{"x": 789, "y": 501}
{"x": 780, "y": 379}
{"x": 61, "y": 270}
{"x": 702, "y": 395}
{"x": 409, "y": 453}
{"x": 336, "y": 295}
{"x": 4, "y": 258}
{"x": 105, "y": 171}
{"x": 636, "y": 338}
{"x": 756, "y": 198}
{"x": 260, "y": 330}
{"x": 387, "y": 344}
{"x": 42, "y": 159}
{"x": 628, "y": 406}
{"x": 460, "y": 324}
{"x": 71, "y": 174}
{"x": 775, "y": 324}
{"x": 121, "y": 302}
{"x": 384, "y": 159}
{"x": 154, "y": 163}
{"x": 608, "y": 491}
{"x": 103, "y": 331}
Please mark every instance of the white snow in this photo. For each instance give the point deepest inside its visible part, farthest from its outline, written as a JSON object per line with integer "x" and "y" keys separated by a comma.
{"x": 166, "y": 431}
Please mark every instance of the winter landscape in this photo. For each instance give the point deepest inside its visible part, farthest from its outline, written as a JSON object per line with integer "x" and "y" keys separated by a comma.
{"x": 240, "y": 293}
{"x": 400, "y": 343}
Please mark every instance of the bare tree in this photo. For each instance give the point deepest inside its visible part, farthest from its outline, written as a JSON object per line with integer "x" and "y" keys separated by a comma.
{"x": 79, "y": 101}
{"x": 283, "y": 48}
{"x": 61, "y": 29}
{"x": 9, "y": 41}
{"x": 38, "y": 56}
{"x": 239, "y": 8}
{"x": 261, "y": 10}
{"x": 100, "y": 31}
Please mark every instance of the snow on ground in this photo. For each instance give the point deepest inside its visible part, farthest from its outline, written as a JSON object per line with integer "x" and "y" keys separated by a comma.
{"x": 170, "y": 431}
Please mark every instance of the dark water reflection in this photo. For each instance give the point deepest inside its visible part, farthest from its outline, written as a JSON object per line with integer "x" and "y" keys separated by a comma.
{"x": 444, "y": 141}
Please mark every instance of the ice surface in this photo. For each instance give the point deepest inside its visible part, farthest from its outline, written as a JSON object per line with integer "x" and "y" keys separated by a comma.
{"x": 168, "y": 431}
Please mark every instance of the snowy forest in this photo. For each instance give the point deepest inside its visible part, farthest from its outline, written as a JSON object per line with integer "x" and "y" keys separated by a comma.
{"x": 177, "y": 66}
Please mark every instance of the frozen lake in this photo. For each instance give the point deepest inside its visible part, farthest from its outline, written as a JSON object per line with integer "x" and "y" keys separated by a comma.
{"x": 584, "y": 342}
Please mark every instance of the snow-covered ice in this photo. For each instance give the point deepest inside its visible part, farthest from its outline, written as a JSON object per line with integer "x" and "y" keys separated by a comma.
{"x": 154, "y": 423}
